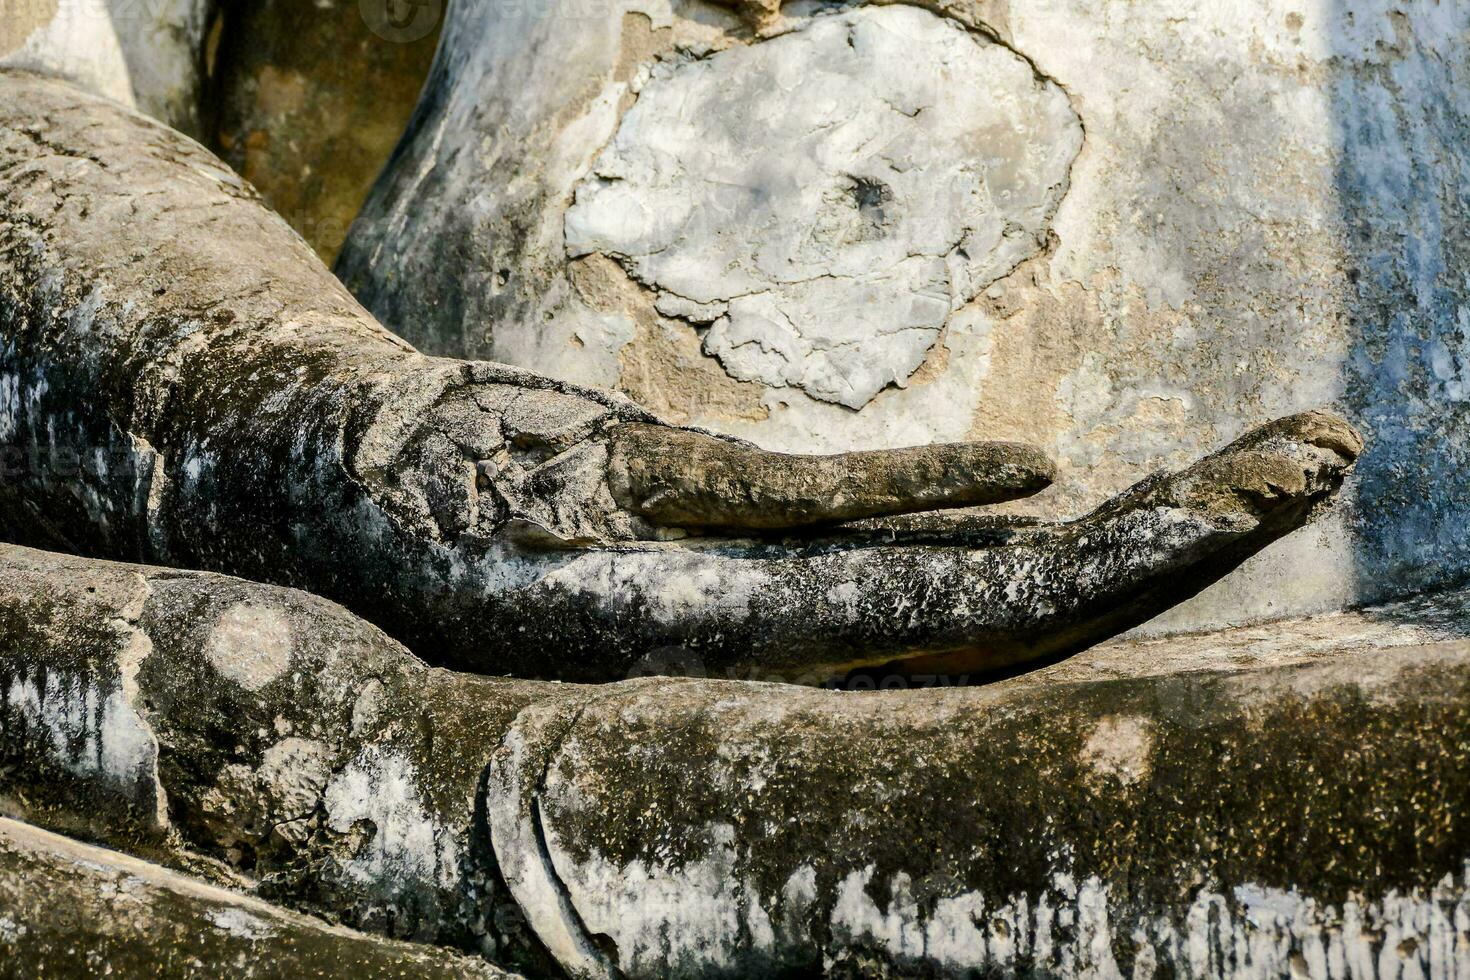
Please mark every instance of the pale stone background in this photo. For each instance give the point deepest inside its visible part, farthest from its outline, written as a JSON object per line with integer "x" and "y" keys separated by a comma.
{"x": 146, "y": 54}
{"x": 1266, "y": 213}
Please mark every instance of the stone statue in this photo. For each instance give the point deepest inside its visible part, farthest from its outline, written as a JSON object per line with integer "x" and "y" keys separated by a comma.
{"x": 958, "y": 270}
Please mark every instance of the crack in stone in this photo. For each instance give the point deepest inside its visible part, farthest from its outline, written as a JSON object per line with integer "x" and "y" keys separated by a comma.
{"x": 521, "y": 843}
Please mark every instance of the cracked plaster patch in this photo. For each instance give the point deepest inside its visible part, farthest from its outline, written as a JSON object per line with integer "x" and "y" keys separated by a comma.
{"x": 825, "y": 200}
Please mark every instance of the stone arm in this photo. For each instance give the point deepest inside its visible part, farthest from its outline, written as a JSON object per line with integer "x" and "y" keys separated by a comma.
{"x": 182, "y": 382}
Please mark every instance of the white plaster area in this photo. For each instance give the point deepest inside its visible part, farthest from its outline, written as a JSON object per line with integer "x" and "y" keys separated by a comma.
{"x": 1200, "y": 276}
{"x": 79, "y": 42}
{"x": 145, "y": 54}
{"x": 250, "y": 644}
{"x": 827, "y": 199}
{"x": 409, "y": 847}
{"x": 163, "y": 44}
{"x": 941, "y": 409}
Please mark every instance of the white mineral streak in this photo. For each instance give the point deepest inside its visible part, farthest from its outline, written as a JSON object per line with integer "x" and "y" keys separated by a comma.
{"x": 90, "y": 729}
{"x": 683, "y": 584}
{"x": 91, "y": 726}
{"x": 9, "y": 404}
{"x": 409, "y": 846}
{"x": 830, "y": 197}
{"x": 238, "y": 922}
{"x": 703, "y": 915}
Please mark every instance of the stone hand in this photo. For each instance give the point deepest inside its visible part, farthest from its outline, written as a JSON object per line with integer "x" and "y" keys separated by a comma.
{"x": 186, "y": 384}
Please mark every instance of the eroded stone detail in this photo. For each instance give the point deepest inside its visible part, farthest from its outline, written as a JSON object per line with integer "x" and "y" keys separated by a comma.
{"x": 250, "y": 645}
{"x": 905, "y": 164}
{"x": 664, "y": 827}
{"x": 380, "y": 788}
{"x": 73, "y": 910}
{"x": 1119, "y": 748}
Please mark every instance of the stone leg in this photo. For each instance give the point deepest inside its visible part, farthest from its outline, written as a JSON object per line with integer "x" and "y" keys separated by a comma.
{"x": 1222, "y": 804}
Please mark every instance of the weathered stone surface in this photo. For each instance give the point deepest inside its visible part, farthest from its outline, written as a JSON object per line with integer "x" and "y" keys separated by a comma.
{"x": 261, "y": 731}
{"x": 308, "y": 100}
{"x": 146, "y": 54}
{"x": 182, "y": 382}
{"x": 1256, "y": 802}
{"x": 684, "y": 479}
{"x": 1290, "y": 804}
{"x": 1267, "y": 214}
{"x": 72, "y": 910}
{"x": 901, "y": 165}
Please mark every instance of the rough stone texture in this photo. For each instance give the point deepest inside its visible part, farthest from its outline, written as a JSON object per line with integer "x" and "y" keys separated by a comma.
{"x": 309, "y": 99}
{"x": 826, "y": 200}
{"x": 687, "y": 480}
{"x": 1249, "y": 824}
{"x": 260, "y": 735}
{"x": 146, "y": 54}
{"x": 1267, "y": 213}
{"x": 182, "y": 382}
{"x": 72, "y": 910}
{"x": 1248, "y": 803}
